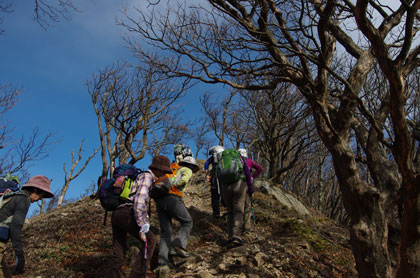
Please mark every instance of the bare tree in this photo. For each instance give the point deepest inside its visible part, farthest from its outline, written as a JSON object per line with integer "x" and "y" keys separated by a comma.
{"x": 68, "y": 177}
{"x": 45, "y": 12}
{"x": 278, "y": 124}
{"x": 217, "y": 111}
{"x": 256, "y": 45}
{"x": 132, "y": 104}
{"x": 199, "y": 136}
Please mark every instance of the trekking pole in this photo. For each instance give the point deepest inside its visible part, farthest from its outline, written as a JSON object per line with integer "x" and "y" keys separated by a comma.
{"x": 145, "y": 257}
{"x": 253, "y": 217}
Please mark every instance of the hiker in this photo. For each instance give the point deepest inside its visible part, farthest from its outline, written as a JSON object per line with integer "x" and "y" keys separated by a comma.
{"x": 17, "y": 207}
{"x": 171, "y": 206}
{"x": 178, "y": 153}
{"x": 215, "y": 189}
{"x": 132, "y": 218}
{"x": 234, "y": 197}
{"x": 181, "y": 151}
{"x": 246, "y": 228}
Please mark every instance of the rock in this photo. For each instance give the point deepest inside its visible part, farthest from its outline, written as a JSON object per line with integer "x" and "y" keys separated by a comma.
{"x": 222, "y": 267}
{"x": 238, "y": 251}
{"x": 259, "y": 259}
{"x": 213, "y": 271}
{"x": 205, "y": 274}
{"x": 241, "y": 261}
{"x": 282, "y": 196}
{"x": 163, "y": 272}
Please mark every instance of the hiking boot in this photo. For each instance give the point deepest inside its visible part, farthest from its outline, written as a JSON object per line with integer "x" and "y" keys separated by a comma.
{"x": 236, "y": 241}
{"x": 180, "y": 252}
{"x": 172, "y": 252}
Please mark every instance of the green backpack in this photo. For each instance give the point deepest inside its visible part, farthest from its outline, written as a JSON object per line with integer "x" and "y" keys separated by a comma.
{"x": 229, "y": 168}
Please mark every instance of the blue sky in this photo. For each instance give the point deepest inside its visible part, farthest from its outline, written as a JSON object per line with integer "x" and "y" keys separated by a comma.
{"x": 52, "y": 66}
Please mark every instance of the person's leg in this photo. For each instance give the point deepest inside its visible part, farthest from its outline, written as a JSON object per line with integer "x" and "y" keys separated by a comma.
{"x": 119, "y": 244}
{"x": 178, "y": 211}
{"x": 228, "y": 197}
{"x": 139, "y": 269}
{"x": 238, "y": 201}
{"x": 247, "y": 215}
{"x": 215, "y": 196}
{"x": 165, "y": 221}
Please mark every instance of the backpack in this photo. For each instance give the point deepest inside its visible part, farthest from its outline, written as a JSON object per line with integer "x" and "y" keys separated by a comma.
{"x": 115, "y": 191}
{"x": 9, "y": 182}
{"x": 178, "y": 149}
{"x": 186, "y": 151}
{"x": 229, "y": 168}
{"x": 160, "y": 188}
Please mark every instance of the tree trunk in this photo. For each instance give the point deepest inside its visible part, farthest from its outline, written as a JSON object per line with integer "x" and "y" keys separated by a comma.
{"x": 364, "y": 204}
{"x": 63, "y": 193}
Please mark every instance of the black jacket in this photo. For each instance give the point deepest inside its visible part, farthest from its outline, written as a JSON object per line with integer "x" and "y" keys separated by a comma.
{"x": 18, "y": 206}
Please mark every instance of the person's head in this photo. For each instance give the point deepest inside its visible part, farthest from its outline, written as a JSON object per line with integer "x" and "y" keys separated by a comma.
{"x": 190, "y": 162}
{"x": 160, "y": 166}
{"x": 38, "y": 187}
{"x": 243, "y": 152}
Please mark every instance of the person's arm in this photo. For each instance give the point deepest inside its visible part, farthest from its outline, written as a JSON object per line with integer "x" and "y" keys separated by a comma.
{"x": 144, "y": 181}
{"x": 206, "y": 167}
{"x": 186, "y": 174}
{"x": 247, "y": 176}
{"x": 207, "y": 163}
{"x": 21, "y": 204}
{"x": 258, "y": 169}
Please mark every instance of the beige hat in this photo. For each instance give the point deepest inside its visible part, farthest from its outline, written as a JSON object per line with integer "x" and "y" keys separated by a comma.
{"x": 190, "y": 161}
{"x": 42, "y": 183}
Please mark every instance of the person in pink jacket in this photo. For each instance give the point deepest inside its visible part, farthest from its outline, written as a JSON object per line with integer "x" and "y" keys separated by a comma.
{"x": 246, "y": 227}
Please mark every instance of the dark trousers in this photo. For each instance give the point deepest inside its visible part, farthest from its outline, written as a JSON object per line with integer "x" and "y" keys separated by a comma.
{"x": 216, "y": 195}
{"x": 123, "y": 223}
{"x": 235, "y": 196}
{"x": 169, "y": 207}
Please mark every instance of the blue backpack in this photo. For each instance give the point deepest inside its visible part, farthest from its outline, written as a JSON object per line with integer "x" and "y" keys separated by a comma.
{"x": 110, "y": 196}
{"x": 9, "y": 182}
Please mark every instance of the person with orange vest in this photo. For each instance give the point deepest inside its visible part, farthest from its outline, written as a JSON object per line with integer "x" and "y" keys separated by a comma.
{"x": 171, "y": 206}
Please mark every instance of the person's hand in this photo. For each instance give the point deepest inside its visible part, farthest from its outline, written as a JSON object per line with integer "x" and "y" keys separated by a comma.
{"x": 20, "y": 265}
{"x": 142, "y": 236}
{"x": 145, "y": 228}
{"x": 208, "y": 178}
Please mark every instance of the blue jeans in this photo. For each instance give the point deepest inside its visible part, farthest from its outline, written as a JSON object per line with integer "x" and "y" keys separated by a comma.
{"x": 169, "y": 207}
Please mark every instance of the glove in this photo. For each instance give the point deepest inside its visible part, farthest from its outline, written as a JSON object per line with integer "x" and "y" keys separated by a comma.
{"x": 144, "y": 228}
{"x": 20, "y": 265}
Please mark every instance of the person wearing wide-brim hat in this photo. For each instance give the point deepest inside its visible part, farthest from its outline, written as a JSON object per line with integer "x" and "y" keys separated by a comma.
{"x": 15, "y": 207}
{"x": 191, "y": 163}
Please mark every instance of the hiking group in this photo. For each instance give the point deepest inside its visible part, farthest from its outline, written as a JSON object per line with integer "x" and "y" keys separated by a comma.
{"x": 128, "y": 195}
{"x": 231, "y": 175}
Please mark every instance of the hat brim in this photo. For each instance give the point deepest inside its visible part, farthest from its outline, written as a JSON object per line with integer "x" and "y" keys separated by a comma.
{"x": 47, "y": 194}
{"x": 195, "y": 167}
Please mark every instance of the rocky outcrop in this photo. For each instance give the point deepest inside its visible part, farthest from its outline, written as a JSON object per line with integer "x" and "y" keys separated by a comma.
{"x": 285, "y": 199}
